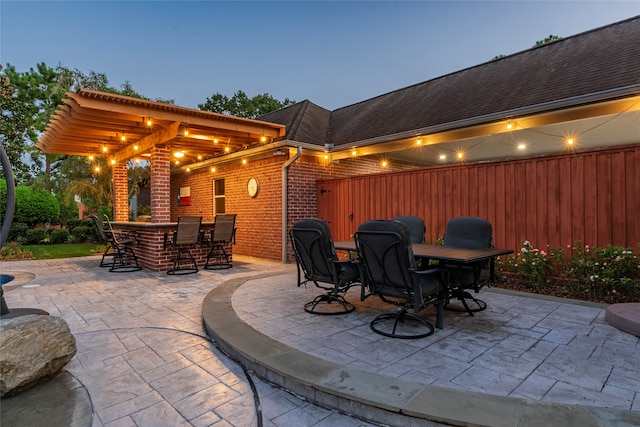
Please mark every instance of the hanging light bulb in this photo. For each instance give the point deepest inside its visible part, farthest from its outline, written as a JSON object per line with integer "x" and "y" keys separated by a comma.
{"x": 213, "y": 169}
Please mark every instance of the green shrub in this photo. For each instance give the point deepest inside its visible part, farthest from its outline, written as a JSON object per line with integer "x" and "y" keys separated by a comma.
{"x": 607, "y": 273}
{"x": 82, "y": 233}
{"x": 35, "y": 207}
{"x": 18, "y": 232}
{"x": 59, "y": 236}
{"x": 88, "y": 234}
{"x": 36, "y": 236}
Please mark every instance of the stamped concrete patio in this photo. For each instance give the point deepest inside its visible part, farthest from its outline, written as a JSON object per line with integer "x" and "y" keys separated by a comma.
{"x": 143, "y": 357}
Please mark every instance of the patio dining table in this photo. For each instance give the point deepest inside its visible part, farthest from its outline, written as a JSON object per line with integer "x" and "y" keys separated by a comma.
{"x": 444, "y": 253}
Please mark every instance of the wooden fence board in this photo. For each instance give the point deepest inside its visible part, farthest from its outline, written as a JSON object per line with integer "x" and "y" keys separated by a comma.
{"x": 592, "y": 197}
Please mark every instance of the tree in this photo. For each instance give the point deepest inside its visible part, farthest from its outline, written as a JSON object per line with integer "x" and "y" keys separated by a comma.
{"x": 547, "y": 40}
{"x": 28, "y": 102}
{"x": 542, "y": 42}
{"x": 240, "y": 105}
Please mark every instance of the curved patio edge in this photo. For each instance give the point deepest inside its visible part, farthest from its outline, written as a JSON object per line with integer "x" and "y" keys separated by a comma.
{"x": 378, "y": 398}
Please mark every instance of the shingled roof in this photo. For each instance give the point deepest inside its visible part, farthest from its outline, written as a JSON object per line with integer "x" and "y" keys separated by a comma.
{"x": 561, "y": 74}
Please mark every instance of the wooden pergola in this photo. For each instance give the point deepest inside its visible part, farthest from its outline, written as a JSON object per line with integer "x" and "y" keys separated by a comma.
{"x": 121, "y": 128}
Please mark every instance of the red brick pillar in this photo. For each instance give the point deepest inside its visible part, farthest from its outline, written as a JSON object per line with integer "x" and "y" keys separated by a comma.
{"x": 160, "y": 185}
{"x": 120, "y": 192}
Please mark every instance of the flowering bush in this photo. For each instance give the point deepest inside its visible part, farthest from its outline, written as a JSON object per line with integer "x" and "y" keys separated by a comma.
{"x": 536, "y": 267}
{"x": 608, "y": 273}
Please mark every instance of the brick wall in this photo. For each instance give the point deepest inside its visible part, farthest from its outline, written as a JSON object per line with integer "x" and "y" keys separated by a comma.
{"x": 259, "y": 219}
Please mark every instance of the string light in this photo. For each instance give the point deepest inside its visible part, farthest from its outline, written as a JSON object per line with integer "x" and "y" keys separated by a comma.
{"x": 521, "y": 146}
{"x": 419, "y": 141}
{"x": 353, "y": 152}
{"x": 385, "y": 163}
{"x": 213, "y": 169}
{"x": 509, "y": 125}
{"x": 113, "y": 161}
{"x": 460, "y": 155}
{"x": 97, "y": 169}
{"x": 244, "y": 161}
{"x": 149, "y": 122}
{"x": 104, "y": 148}
{"x": 570, "y": 141}
{"x": 215, "y": 141}
{"x": 263, "y": 138}
{"x": 226, "y": 149}
{"x": 135, "y": 147}
{"x": 443, "y": 157}
{"x": 123, "y": 138}
{"x": 91, "y": 157}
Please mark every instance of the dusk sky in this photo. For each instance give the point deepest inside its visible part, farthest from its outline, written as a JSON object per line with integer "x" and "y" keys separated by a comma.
{"x": 332, "y": 53}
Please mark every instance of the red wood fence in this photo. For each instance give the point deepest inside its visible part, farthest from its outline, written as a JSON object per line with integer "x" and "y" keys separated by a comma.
{"x": 592, "y": 197}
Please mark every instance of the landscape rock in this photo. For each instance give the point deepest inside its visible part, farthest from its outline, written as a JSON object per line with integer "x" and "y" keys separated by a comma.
{"x": 32, "y": 348}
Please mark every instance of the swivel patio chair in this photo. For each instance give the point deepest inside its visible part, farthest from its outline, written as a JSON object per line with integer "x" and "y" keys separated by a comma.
{"x": 118, "y": 255}
{"x": 186, "y": 236}
{"x": 471, "y": 233}
{"x": 417, "y": 234}
{"x": 316, "y": 258}
{"x": 222, "y": 234}
{"x": 388, "y": 271}
{"x": 415, "y": 225}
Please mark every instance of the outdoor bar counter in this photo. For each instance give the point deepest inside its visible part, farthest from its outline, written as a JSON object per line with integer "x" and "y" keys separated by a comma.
{"x": 150, "y": 249}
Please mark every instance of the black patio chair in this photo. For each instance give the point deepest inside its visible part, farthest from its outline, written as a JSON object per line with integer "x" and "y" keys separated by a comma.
{"x": 388, "y": 271}
{"x": 118, "y": 255}
{"x": 415, "y": 225}
{"x": 471, "y": 233}
{"x": 186, "y": 236}
{"x": 417, "y": 234}
{"x": 316, "y": 258}
{"x": 222, "y": 234}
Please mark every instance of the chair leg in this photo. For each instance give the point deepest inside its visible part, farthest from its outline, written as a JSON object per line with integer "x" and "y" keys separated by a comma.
{"x": 329, "y": 304}
{"x": 124, "y": 261}
{"x": 183, "y": 256}
{"x": 219, "y": 265}
{"x": 403, "y": 325}
{"x": 464, "y": 296}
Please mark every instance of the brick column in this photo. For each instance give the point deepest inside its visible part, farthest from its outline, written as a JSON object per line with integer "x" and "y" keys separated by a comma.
{"x": 120, "y": 192}
{"x": 160, "y": 184}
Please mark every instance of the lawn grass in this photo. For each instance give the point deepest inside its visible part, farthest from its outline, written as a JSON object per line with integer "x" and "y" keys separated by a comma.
{"x": 63, "y": 250}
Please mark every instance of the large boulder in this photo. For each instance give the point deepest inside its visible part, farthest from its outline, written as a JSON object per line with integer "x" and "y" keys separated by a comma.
{"x": 32, "y": 348}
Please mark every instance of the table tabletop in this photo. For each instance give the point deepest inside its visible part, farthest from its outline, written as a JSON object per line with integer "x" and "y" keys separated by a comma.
{"x": 440, "y": 252}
